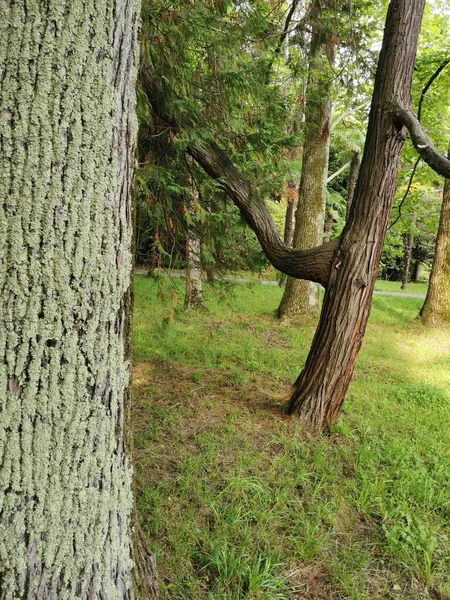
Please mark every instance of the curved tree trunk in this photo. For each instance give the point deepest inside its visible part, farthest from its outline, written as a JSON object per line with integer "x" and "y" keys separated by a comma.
{"x": 436, "y": 309}
{"x": 408, "y": 252}
{"x": 301, "y": 296}
{"x": 67, "y": 146}
{"x": 319, "y": 391}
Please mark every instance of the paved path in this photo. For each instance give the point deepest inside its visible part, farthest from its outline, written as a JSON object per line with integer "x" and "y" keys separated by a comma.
{"x": 275, "y": 283}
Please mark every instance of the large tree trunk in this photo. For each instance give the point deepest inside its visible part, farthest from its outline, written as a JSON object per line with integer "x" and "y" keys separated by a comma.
{"x": 301, "y": 296}
{"x": 436, "y": 309}
{"x": 67, "y": 147}
{"x": 319, "y": 391}
{"x": 408, "y": 252}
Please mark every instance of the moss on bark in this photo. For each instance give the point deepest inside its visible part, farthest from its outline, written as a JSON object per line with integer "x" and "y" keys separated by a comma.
{"x": 67, "y": 143}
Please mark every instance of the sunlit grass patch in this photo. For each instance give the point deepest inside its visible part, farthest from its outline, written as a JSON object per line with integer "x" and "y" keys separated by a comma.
{"x": 239, "y": 503}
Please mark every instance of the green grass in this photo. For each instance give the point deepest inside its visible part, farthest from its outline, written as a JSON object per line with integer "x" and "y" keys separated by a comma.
{"x": 238, "y": 503}
{"x": 395, "y": 286}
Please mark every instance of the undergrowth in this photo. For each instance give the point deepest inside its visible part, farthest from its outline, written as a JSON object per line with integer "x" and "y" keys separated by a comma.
{"x": 239, "y": 503}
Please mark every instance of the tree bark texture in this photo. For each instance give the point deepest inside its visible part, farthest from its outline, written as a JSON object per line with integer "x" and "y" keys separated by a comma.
{"x": 302, "y": 296}
{"x": 193, "y": 298}
{"x": 436, "y": 309}
{"x": 319, "y": 391}
{"x": 67, "y": 138}
{"x": 408, "y": 252}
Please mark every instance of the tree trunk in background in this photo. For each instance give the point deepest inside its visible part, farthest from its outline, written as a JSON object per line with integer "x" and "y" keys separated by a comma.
{"x": 436, "y": 309}
{"x": 416, "y": 271}
{"x": 193, "y": 298}
{"x": 319, "y": 392}
{"x": 67, "y": 144}
{"x": 352, "y": 181}
{"x": 408, "y": 251}
{"x": 300, "y": 296}
{"x": 328, "y": 227}
{"x": 289, "y": 221}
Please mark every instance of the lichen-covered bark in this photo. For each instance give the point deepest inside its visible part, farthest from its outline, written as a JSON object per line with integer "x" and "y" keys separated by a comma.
{"x": 193, "y": 298}
{"x": 436, "y": 309}
{"x": 67, "y": 134}
{"x": 301, "y": 296}
{"x": 193, "y": 295}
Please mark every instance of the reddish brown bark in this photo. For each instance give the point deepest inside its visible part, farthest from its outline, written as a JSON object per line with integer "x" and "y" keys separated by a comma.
{"x": 319, "y": 391}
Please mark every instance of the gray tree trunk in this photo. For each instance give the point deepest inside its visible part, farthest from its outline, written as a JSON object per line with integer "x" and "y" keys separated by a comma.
{"x": 193, "y": 298}
{"x": 301, "y": 296}
{"x": 67, "y": 139}
{"x": 436, "y": 309}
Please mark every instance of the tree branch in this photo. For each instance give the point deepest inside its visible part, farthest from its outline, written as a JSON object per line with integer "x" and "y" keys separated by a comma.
{"x": 339, "y": 171}
{"x": 437, "y": 161}
{"x": 286, "y": 26}
{"x": 427, "y": 86}
{"x": 313, "y": 264}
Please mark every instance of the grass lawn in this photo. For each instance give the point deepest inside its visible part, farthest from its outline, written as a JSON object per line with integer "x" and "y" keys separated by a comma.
{"x": 238, "y": 503}
{"x": 395, "y": 286}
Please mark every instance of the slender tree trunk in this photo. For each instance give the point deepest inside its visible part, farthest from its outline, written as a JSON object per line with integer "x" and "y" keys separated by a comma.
{"x": 416, "y": 271}
{"x": 67, "y": 143}
{"x": 289, "y": 221}
{"x": 436, "y": 309}
{"x": 300, "y": 296}
{"x": 209, "y": 273}
{"x": 193, "y": 298}
{"x": 352, "y": 181}
{"x": 408, "y": 251}
{"x": 154, "y": 256}
{"x": 328, "y": 227}
{"x": 318, "y": 393}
